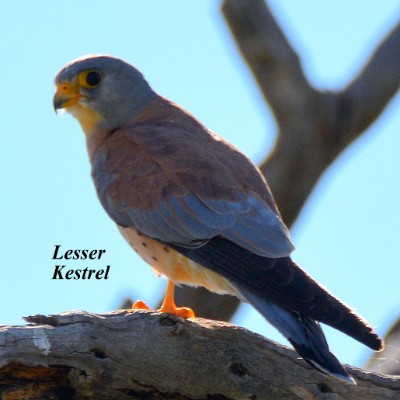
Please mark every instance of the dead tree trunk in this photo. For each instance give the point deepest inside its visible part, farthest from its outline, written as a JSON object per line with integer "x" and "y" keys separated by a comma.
{"x": 144, "y": 355}
{"x": 313, "y": 126}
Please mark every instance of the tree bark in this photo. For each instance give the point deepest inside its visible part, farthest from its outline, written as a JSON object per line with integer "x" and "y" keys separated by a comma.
{"x": 388, "y": 361}
{"x": 314, "y": 126}
{"x": 144, "y": 355}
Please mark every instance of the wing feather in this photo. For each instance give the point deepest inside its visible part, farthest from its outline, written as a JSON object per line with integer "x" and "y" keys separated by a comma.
{"x": 181, "y": 185}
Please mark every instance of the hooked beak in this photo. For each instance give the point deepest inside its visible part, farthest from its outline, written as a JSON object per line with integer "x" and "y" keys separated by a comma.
{"x": 66, "y": 95}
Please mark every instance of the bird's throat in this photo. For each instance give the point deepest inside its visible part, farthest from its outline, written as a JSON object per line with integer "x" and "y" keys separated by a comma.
{"x": 88, "y": 118}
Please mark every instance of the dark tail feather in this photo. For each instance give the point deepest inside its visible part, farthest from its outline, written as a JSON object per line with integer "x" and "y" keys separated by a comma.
{"x": 305, "y": 335}
{"x": 284, "y": 283}
{"x": 288, "y": 298}
{"x": 329, "y": 310}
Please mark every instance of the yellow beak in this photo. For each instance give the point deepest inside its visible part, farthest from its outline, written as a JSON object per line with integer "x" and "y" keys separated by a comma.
{"x": 66, "y": 95}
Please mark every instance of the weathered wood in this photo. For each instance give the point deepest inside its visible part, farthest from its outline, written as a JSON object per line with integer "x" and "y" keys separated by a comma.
{"x": 388, "y": 360}
{"x": 145, "y": 355}
{"x": 314, "y": 126}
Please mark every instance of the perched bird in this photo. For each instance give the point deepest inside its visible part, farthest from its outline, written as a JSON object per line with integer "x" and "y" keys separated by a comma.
{"x": 195, "y": 208}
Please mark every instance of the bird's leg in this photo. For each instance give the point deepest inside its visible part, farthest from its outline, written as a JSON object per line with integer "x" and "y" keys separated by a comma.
{"x": 168, "y": 305}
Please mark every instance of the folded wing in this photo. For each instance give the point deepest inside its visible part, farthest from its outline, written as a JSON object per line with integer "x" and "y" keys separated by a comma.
{"x": 176, "y": 188}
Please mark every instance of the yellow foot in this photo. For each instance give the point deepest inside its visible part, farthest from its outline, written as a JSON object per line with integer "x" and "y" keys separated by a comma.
{"x": 183, "y": 312}
{"x": 140, "y": 305}
{"x": 168, "y": 305}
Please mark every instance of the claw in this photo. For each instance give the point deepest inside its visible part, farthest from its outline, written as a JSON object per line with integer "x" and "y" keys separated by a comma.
{"x": 168, "y": 305}
{"x": 140, "y": 305}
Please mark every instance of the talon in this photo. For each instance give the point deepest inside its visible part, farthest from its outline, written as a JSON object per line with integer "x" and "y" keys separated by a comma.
{"x": 168, "y": 305}
{"x": 140, "y": 305}
{"x": 183, "y": 312}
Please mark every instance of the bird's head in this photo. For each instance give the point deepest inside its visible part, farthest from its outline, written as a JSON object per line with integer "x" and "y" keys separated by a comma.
{"x": 101, "y": 92}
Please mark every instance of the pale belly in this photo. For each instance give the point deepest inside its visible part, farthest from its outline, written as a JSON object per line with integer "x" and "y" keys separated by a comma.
{"x": 174, "y": 265}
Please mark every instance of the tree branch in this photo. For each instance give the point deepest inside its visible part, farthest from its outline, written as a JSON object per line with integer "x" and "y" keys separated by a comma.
{"x": 368, "y": 94}
{"x": 314, "y": 126}
{"x": 275, "y": 64}
{"x": 142, "y": 355}
{"x": 388, "y": 361}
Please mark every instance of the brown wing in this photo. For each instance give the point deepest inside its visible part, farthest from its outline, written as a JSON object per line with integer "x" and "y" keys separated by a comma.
{"x": 167, "y": 176}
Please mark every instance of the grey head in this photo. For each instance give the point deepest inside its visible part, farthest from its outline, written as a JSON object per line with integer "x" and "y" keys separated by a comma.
{"x": 107, "y": 85}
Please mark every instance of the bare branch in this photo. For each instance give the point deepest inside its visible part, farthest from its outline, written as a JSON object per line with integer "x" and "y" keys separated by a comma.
{"x": 388, "y": 360}
{"x": 121, "y": 355}
{"x": 314, "y": 127}
{"x": 366, "y": 97}
{"x": 274, "y": 63}
{"x": 206, "y": 304}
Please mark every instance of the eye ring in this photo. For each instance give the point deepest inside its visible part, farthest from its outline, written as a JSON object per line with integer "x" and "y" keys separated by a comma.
{"x": 90, "y": 79}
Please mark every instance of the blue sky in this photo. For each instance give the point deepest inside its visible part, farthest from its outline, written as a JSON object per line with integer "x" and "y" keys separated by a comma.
{"x": 346, "y": 237}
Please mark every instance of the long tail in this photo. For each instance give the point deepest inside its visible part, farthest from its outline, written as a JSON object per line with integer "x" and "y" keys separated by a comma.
{"x": 282, "y": 282}
{"x": 304, "y": 334}
{"x": 288, "y": 298}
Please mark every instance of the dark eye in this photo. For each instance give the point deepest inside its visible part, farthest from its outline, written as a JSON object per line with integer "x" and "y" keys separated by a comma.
{"x": 93, "y": 78}
{"x": 90, "y": 79}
